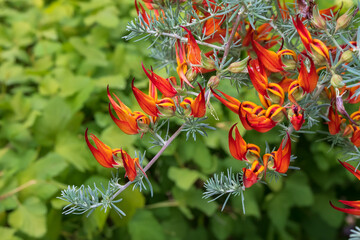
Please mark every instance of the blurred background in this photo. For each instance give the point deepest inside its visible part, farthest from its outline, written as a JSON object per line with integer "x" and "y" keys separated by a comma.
{"x": 56, "y": 59}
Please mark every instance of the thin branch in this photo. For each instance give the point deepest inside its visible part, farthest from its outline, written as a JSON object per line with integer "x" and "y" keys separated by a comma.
{"x": 183, "y": 39}
{"x": 18, "y": 189}
{"x": 229, "y": 42}
{"x": 155, "y": 158}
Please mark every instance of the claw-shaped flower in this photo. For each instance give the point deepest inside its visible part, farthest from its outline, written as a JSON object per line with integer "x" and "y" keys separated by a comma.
{"x": 182, "y": 67}
{"x": 197, "y": 105}
{"x": 280, "y": 159}
{"x": 251, "y": 176}
{"x": 241, "y": 150}
{"x": 355, "y": 210}
{"x": 102, "y": 153}
{"x": 230, "y": 102}
{"x": 296, "y": 117}
{"x": 130, "y": 165}
{"x": 129, "y": 122}
{"x": 308, "y": 80}
{"x": 165, "y": 86}
{"x": 314, "y": 46}
{"x": 335, "y": 121}
{"x": 146, "y": 102}
{"x": 255, "y": 117}
{"x": 270, "y": 60}
{"x": 269, "y": 93}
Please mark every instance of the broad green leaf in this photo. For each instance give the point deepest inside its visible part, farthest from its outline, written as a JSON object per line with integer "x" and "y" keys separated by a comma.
{"x": 183, "y": 178}
{"x": 54, "y": 222}
{"x": 326, "y": 212}
{"x": 96, "y": 220}
{"x": 94, "y": 56}
{"x": 278, "y": 210}
{"x": 176, "y": 226}
{"x": 48, "y": 166}
{"x": 48, "y": 86}
{"x": 131, "y": 201}
{"x": 11, "y": 73}
{"x": 193, "y": 198}
{"x": 115, "y": 138}
{"x": 46, "y": 47}
{"x": 108, "y": 17}
{"x": 115, "y": 81}
{"x": 30, "y": 218}
{"x": 8, "y": 233}
{"x": 221, "y": 226}
{"x": 74, "y": 150}
{"x": 54, "y": 119}
{"x": 203, "y": 158}
{"x": 298, "y": 190}
{"x": 144, "y": 226}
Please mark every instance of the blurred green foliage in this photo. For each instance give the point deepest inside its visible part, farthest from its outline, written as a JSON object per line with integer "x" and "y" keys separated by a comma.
{"x": 56, "y": 59}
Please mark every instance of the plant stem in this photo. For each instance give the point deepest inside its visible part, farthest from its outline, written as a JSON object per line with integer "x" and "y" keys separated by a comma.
{"x": 334, "y": 40}
{"x": 183, "y": 39}
{"x": 18, "y": 189}
{"x": 229, "y": 42}
{"x": 153, "y": 160}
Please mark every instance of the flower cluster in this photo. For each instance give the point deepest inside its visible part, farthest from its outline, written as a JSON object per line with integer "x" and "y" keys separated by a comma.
{"x": 296, "y": 79}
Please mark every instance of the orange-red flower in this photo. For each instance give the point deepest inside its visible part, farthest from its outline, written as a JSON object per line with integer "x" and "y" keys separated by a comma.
{"x": 353, "y": 99}
{"x": 310, "y": 44}
{"x": 197, "y": 105}
{"x": 335, "y": 120}
{"x": 129, "y": 122}
{"x": 355, "y": 210}
{"x": 165, "y": 86}
{"x": 130, "y": 165}
{"x": 212, "y": 25}
{"x": 193, "y": 51}
{"x": 251, "y": 176}
{"x": 260, "y": 35}
{"x": 355, "y": 139}
{"x": 102, "y": 153}
{"x": 258, "y": 76}
{"x": 284, "y": 11}
{"x": 270, "y": 60}
{"x": 241, "y": 150}
{"x": 296, "y": 117}
{"x": 268, "y": 92}
{"x": 308, "y": 80}
{"x": 255, "y": 117}
{"x": 281, "y": 158}
{"x": 230, "y": 102}
{"x": 145, "y": 16}
{"x": 182, "y": 67}
{"x": 146, "y": 102}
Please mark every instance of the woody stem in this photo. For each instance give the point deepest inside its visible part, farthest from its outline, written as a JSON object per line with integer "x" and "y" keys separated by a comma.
{"x": 153, "y": 160}
{"x": 183, "y": 39}
{"x": 229, "y": 42}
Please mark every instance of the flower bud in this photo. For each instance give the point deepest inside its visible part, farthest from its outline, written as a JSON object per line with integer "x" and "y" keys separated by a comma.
{"x": 348, "y": 131}
{"x": 207, "y": 63}
{"x": 191, "y": 75}
{"x": 344, "y": 20}
{"x": 166, "y": 107}
{"x": 318, "y": 20}
{"x": 290, "y": 64}
{"x": 347, "y": 57}
{"x": 213, "y": 82}
{"x": 237, "y": 67}
{"x": 318, "y": 58}
{"x": 337, "y": 81}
